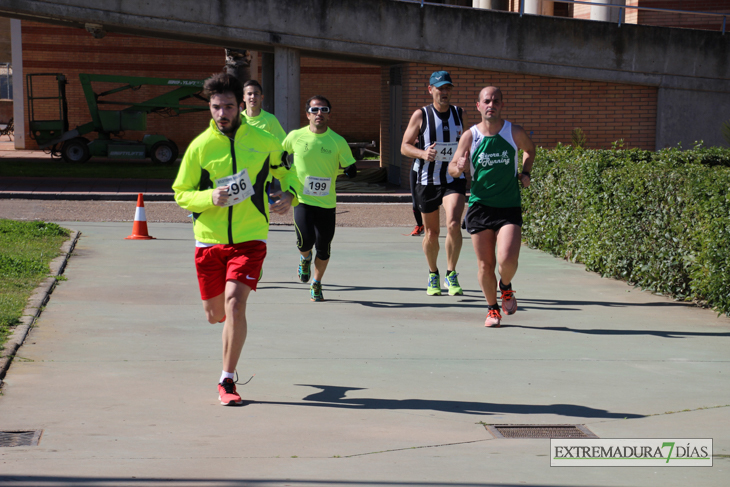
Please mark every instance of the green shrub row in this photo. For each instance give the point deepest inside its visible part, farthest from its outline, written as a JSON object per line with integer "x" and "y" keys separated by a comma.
{"x": 660, "y": 220}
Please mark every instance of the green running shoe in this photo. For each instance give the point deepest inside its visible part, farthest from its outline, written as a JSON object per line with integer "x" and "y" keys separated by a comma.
{"x": 304, "y": 271}
{"x": 316, "y": 291}
{"x": 434, "y": 288}
{"x": 451, "y": 282}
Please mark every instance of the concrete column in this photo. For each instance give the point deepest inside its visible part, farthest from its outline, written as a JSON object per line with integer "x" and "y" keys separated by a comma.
{"x": 255, "y": 66}
{"x": 16, "y": 43}
{"x": 491, "y": 4}
{"x": 539, "y": 7}
{"x": 267, "y": 81}
{"x": 286, "y": 87}
{"x": 606, "y": 14}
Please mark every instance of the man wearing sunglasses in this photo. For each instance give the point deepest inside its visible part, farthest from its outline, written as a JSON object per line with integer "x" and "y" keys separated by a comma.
{"x": 318, "y": 155}
{"x": 431, "y": 139}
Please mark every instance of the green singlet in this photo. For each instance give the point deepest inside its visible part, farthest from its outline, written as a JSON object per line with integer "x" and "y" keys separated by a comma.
{"x": 494, "y": 169}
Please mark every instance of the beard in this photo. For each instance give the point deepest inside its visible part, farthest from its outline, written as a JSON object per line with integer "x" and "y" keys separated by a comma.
{"x": 231, "y": 129}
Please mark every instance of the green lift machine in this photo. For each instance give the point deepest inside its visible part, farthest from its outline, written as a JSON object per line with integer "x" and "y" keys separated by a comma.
{"x": 109, "y": 123}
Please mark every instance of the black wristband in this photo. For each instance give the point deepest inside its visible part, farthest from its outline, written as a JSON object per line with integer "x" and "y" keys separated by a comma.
{"x": 527, "y": 173}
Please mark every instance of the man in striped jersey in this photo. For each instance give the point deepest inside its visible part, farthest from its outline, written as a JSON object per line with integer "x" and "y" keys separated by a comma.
{"x": 494, "y": 219}
{"x": 431, "y": 139}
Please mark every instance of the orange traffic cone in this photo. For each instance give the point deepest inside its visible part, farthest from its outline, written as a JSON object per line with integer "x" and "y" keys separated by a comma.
{"x": 139, "y": 229}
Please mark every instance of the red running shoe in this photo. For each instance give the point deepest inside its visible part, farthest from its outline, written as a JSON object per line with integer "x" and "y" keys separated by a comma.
{"x": 509, "y": 302}
{"x": 493, "y": 318}
{"x": 227, "y": 393}
{"x": 417, "y": 231}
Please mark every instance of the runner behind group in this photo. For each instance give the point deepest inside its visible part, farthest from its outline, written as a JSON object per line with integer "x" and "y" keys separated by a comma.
{"x": 256, "y": 116}
{"x": 318, "y": 154}
{"x": 253, "y": 96}
{"x": 221, "y": 180}
{"x": 431, "y": 138}
{"x": 494, "y": 219}
{"x": 418, "y": 229}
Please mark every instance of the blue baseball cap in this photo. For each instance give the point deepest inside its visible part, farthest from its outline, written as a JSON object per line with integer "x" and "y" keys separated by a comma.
{"x": 440, "y": 78}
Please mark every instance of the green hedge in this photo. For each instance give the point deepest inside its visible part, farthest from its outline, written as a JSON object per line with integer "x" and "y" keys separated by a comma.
{"x": 660, "y": 220}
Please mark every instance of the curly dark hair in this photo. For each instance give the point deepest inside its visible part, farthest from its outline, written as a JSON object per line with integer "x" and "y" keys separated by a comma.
{"x": 221, "y": 83}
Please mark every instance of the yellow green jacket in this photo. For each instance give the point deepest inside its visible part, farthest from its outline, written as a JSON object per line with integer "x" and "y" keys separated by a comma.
{"x": 213, "y": 155}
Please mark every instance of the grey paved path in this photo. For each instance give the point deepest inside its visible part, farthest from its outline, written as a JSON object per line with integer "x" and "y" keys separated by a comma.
{"x": 379, "y": 386}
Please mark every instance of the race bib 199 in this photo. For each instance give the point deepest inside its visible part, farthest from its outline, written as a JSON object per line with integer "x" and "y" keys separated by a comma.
{"x": 239, "y": 187}
{"x": 314, "y": 186}
{"x": 445, "y": 150}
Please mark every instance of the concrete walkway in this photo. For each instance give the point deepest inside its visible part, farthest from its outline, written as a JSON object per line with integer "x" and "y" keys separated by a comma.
{"x": 381, "y": 385}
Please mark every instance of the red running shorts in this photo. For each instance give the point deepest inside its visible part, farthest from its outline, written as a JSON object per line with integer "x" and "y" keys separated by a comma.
{"x": 221, "y": 263}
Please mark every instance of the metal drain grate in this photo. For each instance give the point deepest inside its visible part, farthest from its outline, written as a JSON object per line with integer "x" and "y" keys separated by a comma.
{"x": 539, "y": 431}
{"x": 20, "y": 438}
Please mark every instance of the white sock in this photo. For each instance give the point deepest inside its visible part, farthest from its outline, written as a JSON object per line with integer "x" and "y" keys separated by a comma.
{"x": 307, "y": 258}
{"x": 226, "y": 375}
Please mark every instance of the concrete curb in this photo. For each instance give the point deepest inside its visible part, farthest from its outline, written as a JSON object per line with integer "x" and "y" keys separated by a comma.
{"x": 36, "y": 302}
{"x": 34, "y": 195}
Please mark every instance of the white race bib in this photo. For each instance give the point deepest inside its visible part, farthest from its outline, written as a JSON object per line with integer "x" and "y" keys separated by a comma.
{"x": 314, "y": 186}
{"x": 239, "y": 187}
{"x": 445, "y": 150}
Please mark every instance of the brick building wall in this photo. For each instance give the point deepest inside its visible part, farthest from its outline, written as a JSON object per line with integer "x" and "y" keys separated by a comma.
{"x": 547, "y": 108}
{"x": 54, "y": 49}
{"x": 667, "y": 19}
{"x": 687, "y": 21}
{"x": 352, "y": 89}
{"x": 70, "y": 51}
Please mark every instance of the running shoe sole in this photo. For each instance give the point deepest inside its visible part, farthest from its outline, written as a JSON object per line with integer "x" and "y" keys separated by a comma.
{"x": 230, "y": 403}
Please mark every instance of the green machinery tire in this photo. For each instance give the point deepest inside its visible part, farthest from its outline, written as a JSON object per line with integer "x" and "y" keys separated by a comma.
{"x": 164, "y": 152}
{"x": 76, "y": 150}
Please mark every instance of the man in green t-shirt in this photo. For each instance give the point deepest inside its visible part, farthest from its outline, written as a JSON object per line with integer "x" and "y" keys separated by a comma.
{"x": 494, "y": 219}
{"x": 318, "y": 154}
{"x": 253, "y": 96}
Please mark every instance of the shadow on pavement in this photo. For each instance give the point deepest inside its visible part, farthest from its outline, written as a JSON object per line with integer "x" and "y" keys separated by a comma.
{"x": 334, "y": 397}
{"x": 599, "y": 331}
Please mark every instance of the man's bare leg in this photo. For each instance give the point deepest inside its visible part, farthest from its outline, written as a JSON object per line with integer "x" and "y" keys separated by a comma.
{"x": 454, "y": 208}
{"x": 432, "y": 226}
{"x": 484, "y": 247}
{"x": 235, "y": 327}
{"x": 509, "y": 239}
{"x": 319, "y": 267}
{"x": 215, "y": 308}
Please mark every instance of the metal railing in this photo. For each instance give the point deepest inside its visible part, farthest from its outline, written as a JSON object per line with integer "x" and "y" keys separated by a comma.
{"x": 607, "y": 5}
{"x": 621, "y": 10}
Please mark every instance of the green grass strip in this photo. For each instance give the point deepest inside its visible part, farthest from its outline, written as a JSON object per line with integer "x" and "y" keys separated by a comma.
{"x": 26, "y": 250}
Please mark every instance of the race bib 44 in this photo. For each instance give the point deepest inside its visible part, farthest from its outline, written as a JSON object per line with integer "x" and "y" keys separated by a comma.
{"x": 445, "y": 150}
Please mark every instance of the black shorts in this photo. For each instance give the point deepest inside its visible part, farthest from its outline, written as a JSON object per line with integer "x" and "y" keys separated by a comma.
{"x": 429, "y": 197}
{"x": 480, "y": 217}
{"x": 315, "y": 227}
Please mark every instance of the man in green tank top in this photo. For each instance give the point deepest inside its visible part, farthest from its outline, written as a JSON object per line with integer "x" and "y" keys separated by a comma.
{"x": 489, "y": 151}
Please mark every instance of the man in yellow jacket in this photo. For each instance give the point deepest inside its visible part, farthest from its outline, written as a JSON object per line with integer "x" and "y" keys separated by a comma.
{"x": 222, "y": 181}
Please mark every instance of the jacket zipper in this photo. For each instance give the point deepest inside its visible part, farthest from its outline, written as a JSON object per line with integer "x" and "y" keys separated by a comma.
{"x": 230, "y": 208}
